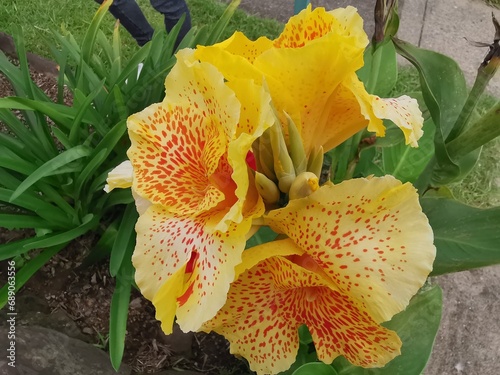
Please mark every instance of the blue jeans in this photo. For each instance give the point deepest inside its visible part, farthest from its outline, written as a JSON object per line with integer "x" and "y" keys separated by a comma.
{"x": 131, "y": 17}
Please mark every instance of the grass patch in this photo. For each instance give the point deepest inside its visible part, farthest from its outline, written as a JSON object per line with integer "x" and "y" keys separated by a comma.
{"x": 38, "y": 18}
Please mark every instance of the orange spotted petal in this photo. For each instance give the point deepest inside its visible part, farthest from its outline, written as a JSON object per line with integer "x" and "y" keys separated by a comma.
{"x": 177, "y": 145}
{"x": 310, "y": 25}
{"x": 166, "y": 244}
{"x": 269, "y": 302}
{"x": 369, "y": 235}
{"x": 256, "y": 116}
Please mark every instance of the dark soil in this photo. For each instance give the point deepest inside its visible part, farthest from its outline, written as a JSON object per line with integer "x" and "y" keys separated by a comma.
{"x": 84, "y": 294}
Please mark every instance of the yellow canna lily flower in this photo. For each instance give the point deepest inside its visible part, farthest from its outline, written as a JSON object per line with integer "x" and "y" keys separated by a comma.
{"x": 356, "y": 253}
{"x": 194, "y": 191}
{"x": 310, "y": 72}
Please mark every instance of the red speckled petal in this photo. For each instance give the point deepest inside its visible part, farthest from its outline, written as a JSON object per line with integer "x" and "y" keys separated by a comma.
{"x": 268, "y": 303}
{"x": 369, "y": 235}
{"x": 304, "y": 27}
{"x": 167, "y": 243}
{"x": 177, "y": 145}
{"x": 404, "y": 112}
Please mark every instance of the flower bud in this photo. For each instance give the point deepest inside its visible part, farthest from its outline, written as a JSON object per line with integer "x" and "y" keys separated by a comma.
{"x": 304, "y": 185}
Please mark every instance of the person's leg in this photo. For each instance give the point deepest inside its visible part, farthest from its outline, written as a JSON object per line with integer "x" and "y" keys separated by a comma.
{"x": 172, "y": 11}
{"x": 133, "y": 20}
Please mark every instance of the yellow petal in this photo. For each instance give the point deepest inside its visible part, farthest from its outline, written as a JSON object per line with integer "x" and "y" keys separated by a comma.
{"x": 255, "y": 117}
{"x": 178, "y": 146}
{"x": 404, "y": 112}
{"x": 239, "y": 45}
{"x": 166, "y": 244}
{"x": 270, "y": 301}
{"x": 120, "y": 177}
{"x": 369, "y": 236}
{"x": 311, "y": 25}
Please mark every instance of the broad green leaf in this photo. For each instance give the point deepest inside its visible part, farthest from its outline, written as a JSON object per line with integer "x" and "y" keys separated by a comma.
{"x": 445, "y": 92}
{"x": 315, "y": 368}
{"x": 29, "y": 269}
{"x": 119, "y": 309}
{"x": 407, "y": 163}
{"x": 380, "y": 71}
{"x": 417, "y": 327}
{"x": 124, "y": 240}
{"x": 50, "y": 167}
{"x": 465, "y": 237}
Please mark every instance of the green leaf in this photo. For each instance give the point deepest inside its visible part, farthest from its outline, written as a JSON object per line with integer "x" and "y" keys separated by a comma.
{"x": 380, "y": 72}
{"x": 51, "y": 167}
{"x": 89, "y": 223}
{"x": 315, "y": 368}
{"x": 17, "y": 221}
{"x": 445, "y": 92}
{"x": 263, "y": 235}
{"x": 221, "y": 24}
{"x": 29, "y": 269}
{"x": 119, "y": 309}
{"x": 34, "y": 203}
{"x": 407, "y": 163}
{"x": 124, "y": 239}
{"x": 465, "y": 237}
{"x": 417, "y": 327}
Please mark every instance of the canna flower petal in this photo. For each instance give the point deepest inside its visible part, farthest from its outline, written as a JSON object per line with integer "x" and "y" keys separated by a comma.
{"x": 369, "y": 235}
{"x": 120, "y": 177}
{"x": 404, "y": 112}
{"x": 269, "y": 302}
{"x": 310, "y": 71}
{"x": 183, "y": 268}
{"x": 178, "y": 146}
{"x": 194, "y": 191}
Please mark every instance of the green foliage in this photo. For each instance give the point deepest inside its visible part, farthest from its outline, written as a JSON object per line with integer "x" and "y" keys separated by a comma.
{"x": 444, "y": 92}
{"x": 466, "y": 237}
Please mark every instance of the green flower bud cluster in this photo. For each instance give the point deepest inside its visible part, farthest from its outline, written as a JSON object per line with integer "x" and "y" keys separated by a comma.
{"x": 284, "y": 170}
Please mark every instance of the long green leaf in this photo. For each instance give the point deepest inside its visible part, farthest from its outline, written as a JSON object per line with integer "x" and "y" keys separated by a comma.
{"x": 51, "y": 167}
{"x": 17, "y": 221}
{"x": 124, "y": 239}
{"x": 119, "y": 309}
{"x": 221, "y": 24}
{"x": 89, "y": 223}
{"x": 36, "y": 204}
{"x": 29, "y": 269}
{"x": 465, "y": 237}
